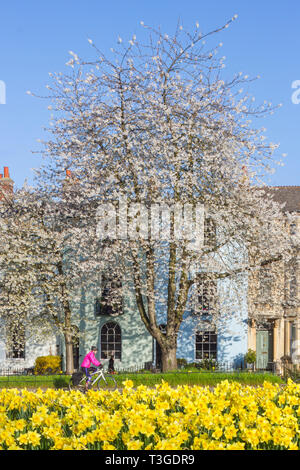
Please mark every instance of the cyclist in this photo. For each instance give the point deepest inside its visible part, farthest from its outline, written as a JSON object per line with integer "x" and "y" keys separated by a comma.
{"x": 86, "y": 364}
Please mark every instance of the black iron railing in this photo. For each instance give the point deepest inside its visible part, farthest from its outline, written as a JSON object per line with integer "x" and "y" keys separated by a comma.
{"x": 278, "y": 367}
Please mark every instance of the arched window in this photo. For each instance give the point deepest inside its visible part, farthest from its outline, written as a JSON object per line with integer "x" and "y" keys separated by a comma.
{"x": 111, "y": 341}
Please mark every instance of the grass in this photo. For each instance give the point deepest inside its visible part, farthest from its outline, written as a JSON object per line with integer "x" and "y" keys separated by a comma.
{"x": 198, "y": 378}
{"x": 173, "y": 378}
{"x": 34, "y": 381}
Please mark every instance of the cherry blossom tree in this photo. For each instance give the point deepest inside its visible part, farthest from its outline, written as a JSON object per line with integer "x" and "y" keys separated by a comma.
{"x": 147, "y": 133}
{"x": 39, "y": 277}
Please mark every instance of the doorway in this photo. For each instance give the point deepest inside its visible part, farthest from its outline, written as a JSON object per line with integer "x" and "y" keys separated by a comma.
{"x": 264, "y": 349}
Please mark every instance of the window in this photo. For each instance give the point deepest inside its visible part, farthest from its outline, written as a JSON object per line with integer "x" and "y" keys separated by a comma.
{"x": 15, "y": 340}
{"x": 293, "y": 343}
{"x": 209, "y": 233}
{"x": 111, "y": 341}
{"x": 111, "y": 300}
{"x": 293, "y": 229}
{"x": 206, "y": 295}
{"x": 265, "y": 284}
{"x": 206, "y": 345}
{"x": 293, "y": 285}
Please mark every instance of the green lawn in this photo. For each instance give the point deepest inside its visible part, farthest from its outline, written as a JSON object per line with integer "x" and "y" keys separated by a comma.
{"x": 34, "y": 381}
{"x": 148, "y": 379}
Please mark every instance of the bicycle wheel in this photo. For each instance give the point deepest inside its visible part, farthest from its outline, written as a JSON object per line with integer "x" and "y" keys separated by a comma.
{"x": 108, "y": 382}
{"x": 80, "y": 386}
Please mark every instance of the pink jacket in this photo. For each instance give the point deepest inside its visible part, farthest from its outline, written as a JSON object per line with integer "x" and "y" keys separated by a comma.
{"x": 90, "y": 357}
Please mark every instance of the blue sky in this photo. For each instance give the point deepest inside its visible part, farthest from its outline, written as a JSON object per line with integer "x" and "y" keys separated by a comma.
{"x": 35, "y": 37}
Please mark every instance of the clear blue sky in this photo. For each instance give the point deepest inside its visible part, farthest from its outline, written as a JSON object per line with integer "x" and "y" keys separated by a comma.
{"x": 35, "y": 37}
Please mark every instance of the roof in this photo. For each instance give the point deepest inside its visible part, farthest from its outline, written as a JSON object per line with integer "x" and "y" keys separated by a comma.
{"x": 286, "y": 194}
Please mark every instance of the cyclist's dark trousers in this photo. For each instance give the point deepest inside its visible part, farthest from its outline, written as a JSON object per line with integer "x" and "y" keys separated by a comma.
{"x": 86, "y": 371}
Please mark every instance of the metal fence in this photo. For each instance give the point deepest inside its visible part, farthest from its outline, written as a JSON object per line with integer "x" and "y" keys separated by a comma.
{"x": 8, "y": 371}
{"x": 279, "y": 368}
{"x": 237, "y": 366}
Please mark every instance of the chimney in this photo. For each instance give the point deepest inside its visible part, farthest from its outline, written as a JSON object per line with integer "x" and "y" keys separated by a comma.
{"x": 69, "y": 181}
{"x": 6, "y": 184}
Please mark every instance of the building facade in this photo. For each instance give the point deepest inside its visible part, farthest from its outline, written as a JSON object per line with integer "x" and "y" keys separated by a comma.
{"x": 18, "y": 349}
{"x": 223, "y": 319}
{"x": 274, "y": 299}
{"x": 214, "y": 327}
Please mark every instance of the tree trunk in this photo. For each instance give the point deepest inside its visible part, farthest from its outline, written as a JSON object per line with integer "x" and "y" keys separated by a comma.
{"x": 169, "y": 360}
{"x": 69, "y": 354}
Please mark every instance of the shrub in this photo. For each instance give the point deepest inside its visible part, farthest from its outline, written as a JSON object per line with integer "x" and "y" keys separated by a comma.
{"x": 250, "y": 356}
{"x": 207, "y": 364}
{"x": 61, "y": 382}
{"x": 181, "y": 362}
{"x": 47, "y": 365}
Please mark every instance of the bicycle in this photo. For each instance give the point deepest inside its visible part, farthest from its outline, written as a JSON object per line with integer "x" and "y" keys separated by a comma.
{"x": 98, "y": 380}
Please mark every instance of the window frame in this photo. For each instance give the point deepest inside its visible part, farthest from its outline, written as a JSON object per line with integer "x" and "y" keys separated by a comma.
{"x": 211, "y": 351}
{"x": 104, "y": 305}
{"x": 206, "y": 287}
{"x": 210, "y": 232}
{"x": 117, "y": 344}
{"x": 15, "y": 341}
{"x": 266, "y": 284}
